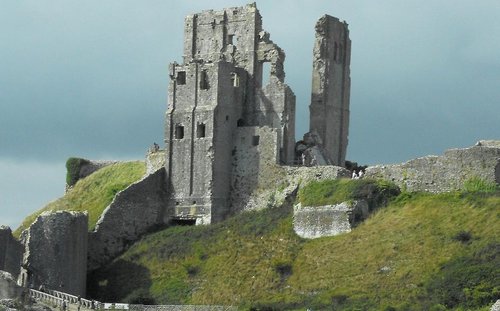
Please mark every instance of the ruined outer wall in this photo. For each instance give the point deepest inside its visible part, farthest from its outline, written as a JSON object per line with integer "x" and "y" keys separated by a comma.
{"x": 133, "y": 212}
{"x": 10, "y": 252}
{"x": 442, "y": 173}
{"x": 55, "y": 252}
{"x": 329, "y": 109}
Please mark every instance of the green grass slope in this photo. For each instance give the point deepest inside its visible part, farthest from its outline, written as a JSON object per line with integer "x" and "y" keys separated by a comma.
{"x": 422, "y": 252}
{"x": 93, "y": 193}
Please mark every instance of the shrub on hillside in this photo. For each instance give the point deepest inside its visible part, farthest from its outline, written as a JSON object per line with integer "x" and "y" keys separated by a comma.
{"x": 73, "y": 166}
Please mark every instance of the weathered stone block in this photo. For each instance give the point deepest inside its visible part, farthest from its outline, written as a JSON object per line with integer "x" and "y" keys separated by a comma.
{"x": 55, "y": 252}
{"x": 11, "y": 252}
{"x": 319, "y": 221}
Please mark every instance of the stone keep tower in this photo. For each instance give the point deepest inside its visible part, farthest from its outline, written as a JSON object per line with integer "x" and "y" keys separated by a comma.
{"x": 331, "y": 84}
{"x": 216, "y": 99}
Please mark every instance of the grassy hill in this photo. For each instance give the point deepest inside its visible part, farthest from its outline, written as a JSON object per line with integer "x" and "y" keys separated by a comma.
{"x": 93, "y": 193}
{"x": 421, "y": 252}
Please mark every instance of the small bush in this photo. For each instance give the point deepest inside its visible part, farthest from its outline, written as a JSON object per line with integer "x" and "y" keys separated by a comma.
{"x": 463, "y": 236}
{"x": 73, "y": 166}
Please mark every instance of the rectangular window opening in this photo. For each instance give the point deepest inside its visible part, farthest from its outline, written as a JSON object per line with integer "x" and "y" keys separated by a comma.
{"x": 179, "y": 132}
{"x": 255, "y": 140}
{"x": 181, "y": 78}
{"x": 204, "y": 80}
{"x": 230, "y": 39}
{"x": 200, "y": 130}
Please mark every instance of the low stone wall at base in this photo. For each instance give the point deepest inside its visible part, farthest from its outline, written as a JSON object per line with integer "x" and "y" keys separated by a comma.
{"x": 443, "y": 173}
{"x": 180, "y": 308}
{"x": 312, "y": 222}
{"x": 132, "y": 213}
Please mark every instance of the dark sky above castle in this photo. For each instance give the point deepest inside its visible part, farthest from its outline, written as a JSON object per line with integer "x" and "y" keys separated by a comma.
{"x": 89, "y": 79}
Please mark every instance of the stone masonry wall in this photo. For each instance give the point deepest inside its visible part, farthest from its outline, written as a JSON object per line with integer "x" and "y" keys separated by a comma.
{"x": 443, "y": 173}
{"x": 11, "y": 252}
{"x": 319, "y": 221}
{"x": 133, "y": 212}
{"x": 55, "y": 252}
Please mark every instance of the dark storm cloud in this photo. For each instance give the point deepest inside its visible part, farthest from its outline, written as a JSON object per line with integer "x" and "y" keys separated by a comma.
{"x": 89, "y": 78}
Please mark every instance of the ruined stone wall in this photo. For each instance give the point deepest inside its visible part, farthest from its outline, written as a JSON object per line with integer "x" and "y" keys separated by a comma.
{"x": 10, "y": 252}
{"x": 55, "y": 252}
{"x": 133, "y": 212}
{"x": 329, "y": 109}
{"x": 443, "y": 173}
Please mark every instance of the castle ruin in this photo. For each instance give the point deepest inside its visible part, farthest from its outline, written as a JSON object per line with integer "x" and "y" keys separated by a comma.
{"x": 220, "y": 113}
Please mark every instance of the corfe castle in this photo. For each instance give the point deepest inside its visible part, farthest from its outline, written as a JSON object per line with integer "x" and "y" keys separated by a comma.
{"x": 229, "y": 142}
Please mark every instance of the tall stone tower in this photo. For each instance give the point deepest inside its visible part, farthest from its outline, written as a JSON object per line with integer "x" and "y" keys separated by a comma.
{"x": 220, "y": 113}
{"x": 331, "y": 84}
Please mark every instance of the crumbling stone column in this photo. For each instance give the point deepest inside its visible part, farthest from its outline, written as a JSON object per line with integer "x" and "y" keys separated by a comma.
{"x": 331, "y": 84}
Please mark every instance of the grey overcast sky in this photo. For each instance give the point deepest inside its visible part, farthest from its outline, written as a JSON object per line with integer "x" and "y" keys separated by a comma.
{"x": 89, "y": 79}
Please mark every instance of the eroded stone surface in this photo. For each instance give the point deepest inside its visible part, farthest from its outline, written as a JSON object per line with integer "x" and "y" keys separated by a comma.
{"x": 443, "y": 173}
{"x": 133, "y": 212}
{"x": 331, "y": 84}
{"x": 8, "y": 287}
{"x": 320, "y": 221}
{"x": 10, "y": 252}
{"x": 55, "y": 252}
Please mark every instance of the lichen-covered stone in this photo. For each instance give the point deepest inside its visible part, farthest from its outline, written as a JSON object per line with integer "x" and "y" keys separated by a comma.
{"x": 11, "y": 252}
{"x": 319, "y": 221}
{"x": 443, "y": 173}
{"x": 55, "y": 252}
